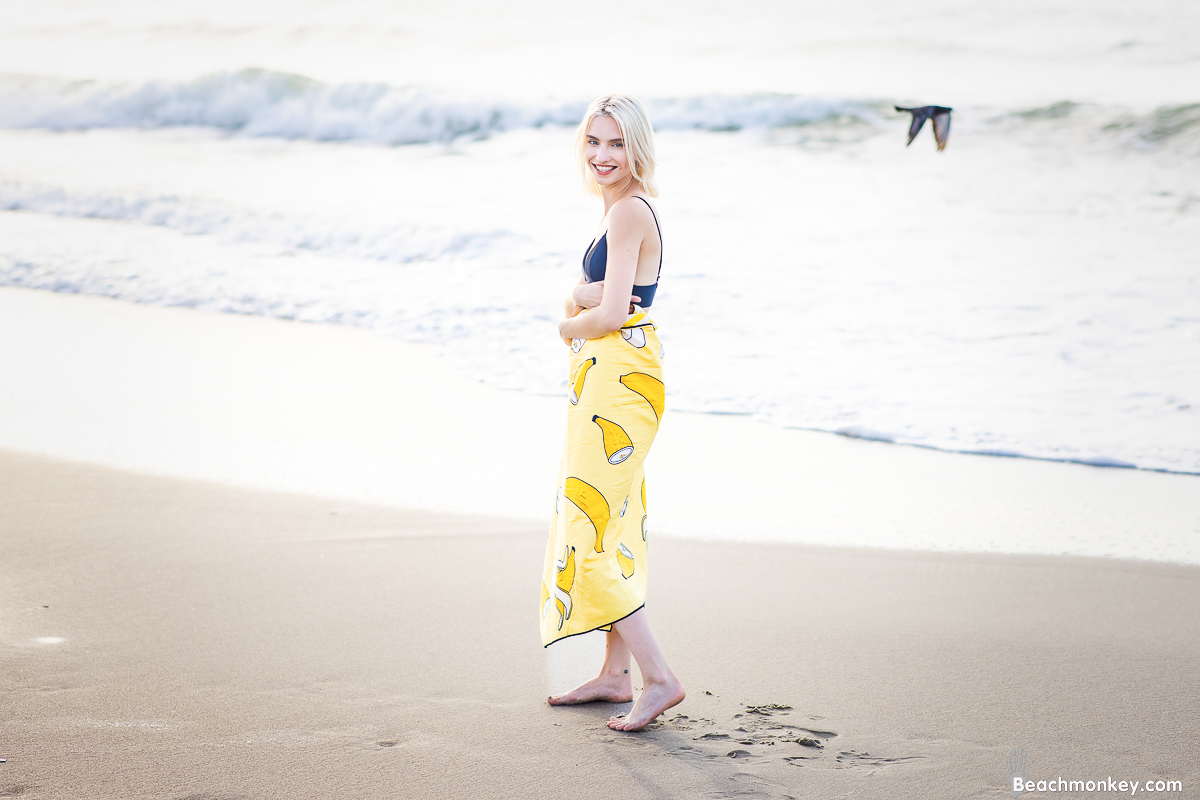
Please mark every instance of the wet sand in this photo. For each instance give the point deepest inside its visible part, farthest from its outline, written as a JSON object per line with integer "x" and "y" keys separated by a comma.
{"x": 219, "y": 642}
{"x": 333, "y": 411}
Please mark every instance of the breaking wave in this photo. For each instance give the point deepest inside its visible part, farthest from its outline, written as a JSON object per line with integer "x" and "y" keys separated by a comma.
{"x": 256, "y": 102}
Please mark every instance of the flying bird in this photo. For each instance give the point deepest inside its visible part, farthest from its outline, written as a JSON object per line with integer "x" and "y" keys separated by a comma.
{"x": 941, "y": 123}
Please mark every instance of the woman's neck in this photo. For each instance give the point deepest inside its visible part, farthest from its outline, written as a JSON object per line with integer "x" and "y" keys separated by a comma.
{"x": 612, "y": 194}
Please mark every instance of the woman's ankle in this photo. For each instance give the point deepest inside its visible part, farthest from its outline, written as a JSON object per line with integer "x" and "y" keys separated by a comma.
{"x": 660, "y": 678}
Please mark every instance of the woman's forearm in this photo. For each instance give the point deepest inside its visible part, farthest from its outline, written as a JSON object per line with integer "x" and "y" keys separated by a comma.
{"x": 593, "y": 324}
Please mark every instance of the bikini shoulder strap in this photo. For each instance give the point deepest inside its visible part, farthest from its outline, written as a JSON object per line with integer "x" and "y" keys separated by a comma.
{"x": 659, "y": 229}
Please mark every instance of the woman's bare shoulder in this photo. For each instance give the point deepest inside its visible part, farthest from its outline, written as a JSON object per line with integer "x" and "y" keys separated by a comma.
{"x": 632, "y": 212}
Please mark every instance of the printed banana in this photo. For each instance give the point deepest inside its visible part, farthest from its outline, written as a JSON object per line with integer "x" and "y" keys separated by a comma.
{"x": 592, "y": 503}
{"x": 617, "y": 445}
{"x": 578, "y": 378}
{"x": 648, "y": 387}
{"x": 635, "y": 336}
{"x": 563, "y": 584}
{"x": 625, "y": 559}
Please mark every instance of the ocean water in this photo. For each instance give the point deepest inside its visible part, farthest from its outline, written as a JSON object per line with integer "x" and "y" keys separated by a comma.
{"x": 1033, "y": 290}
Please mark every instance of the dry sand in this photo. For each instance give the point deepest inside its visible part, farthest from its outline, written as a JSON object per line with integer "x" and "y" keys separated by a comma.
{"x": 225, "y": 643}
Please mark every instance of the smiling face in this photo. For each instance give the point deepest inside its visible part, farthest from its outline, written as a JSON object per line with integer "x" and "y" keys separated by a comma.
{"x": 614, "y": 145}
{"x": 605, "y": 153}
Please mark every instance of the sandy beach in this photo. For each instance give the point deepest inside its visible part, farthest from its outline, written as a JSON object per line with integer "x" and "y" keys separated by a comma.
{"x": 239, "y": 562}
{"x": 167, "y": 638}
{"x": 282, "y": 405}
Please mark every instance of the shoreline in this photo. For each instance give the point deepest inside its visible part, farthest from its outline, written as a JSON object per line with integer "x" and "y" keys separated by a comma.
{"x": 179, "y": 638}
{"x": 346, "y": 413}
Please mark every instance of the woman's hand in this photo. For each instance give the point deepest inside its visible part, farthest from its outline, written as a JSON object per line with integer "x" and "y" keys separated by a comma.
{"x": 564, "y": 336}
{"x": 589, "y": 295}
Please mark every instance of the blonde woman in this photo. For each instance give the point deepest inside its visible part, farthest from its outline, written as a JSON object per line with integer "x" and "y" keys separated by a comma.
{"x": 595, "y": 572}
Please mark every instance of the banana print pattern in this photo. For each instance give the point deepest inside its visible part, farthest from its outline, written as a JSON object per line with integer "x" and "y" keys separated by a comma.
{"x": 625, "y": 559}
{"x": 635, "y": 336}
{"x": 589, "y": 500}
{"x": 562, "y": 586}
{"x": 633, "y": 331}
{"x": 617, "y": 444}
{"x": 577, "y": 379}
{"x": 595, "y": 569}
{"x": 648, "y": 387}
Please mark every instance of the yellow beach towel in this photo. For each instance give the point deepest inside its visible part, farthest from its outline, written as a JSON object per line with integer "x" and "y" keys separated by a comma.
{"x": 595, "y": 570}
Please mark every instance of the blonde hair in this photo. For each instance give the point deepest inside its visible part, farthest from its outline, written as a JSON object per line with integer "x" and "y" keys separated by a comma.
{"x": 636, "y": 132}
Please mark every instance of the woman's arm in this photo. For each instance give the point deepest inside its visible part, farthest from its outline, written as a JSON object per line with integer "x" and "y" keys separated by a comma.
{"x": 572, "y": 306}
{"x": 626, "y": 229}
{"x": 589, "y": 295}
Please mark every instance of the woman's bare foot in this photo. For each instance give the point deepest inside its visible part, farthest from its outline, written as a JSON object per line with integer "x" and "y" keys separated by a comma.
{"x": 601, "y": 689}
{"x": 654, "y": 700}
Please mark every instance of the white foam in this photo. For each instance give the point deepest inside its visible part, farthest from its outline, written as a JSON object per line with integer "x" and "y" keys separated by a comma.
{"x": 258, "y": 102}
{"x": 342, "y": 413}
{"x": 399, "y": 243}
{"x": 977, "y": 300}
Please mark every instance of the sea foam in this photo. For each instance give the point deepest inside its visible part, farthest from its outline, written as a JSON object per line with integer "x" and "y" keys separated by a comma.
{"x": 256, "y": 102}
{"x": 398, "y": 243}
{"x": 259, "y": 102}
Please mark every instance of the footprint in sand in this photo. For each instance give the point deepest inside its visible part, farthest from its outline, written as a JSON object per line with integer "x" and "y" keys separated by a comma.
{"x": 762, "y": 731}
{"x": 756, "y": 735}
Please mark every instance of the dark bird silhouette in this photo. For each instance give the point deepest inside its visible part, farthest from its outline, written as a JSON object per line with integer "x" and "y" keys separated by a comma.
{"x": 941, "y": 123}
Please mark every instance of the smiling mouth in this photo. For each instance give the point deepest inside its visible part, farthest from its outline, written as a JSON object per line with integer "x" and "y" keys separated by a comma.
{"x": 603, "y": 170}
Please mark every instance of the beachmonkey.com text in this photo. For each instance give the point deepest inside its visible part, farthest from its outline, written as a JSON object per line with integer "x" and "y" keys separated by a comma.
{"x": 1021, "y": 785}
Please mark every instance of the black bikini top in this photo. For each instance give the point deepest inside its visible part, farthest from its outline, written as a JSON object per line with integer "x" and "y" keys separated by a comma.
{"x": 595, "y": 261}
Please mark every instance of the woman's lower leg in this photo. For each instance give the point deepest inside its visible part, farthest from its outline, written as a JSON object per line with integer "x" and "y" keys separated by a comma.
{"x": 660, "y": 688}
{"x": 616, "y": 655}
{"x": 614, "y": 684}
